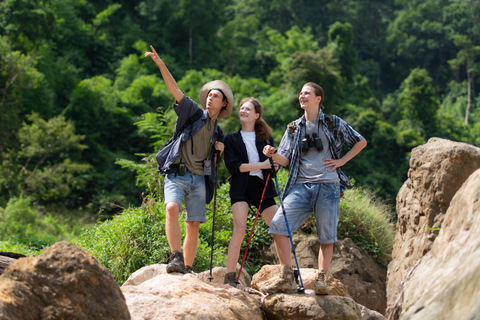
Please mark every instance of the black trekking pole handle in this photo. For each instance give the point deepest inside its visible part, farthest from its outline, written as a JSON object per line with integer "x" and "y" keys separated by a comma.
{"x": 273, "y": 171}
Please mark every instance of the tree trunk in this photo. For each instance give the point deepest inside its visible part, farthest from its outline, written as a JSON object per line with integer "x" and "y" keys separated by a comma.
{"x": 190, "y": 45}
{"x": 469, "y": 92}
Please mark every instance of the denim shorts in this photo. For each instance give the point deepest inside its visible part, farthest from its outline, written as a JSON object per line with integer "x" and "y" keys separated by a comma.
{"x": 322, "y": 199}
{"x": 191, "y": 188}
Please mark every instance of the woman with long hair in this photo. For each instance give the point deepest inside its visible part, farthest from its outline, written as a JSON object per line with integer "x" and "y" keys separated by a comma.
{"x": 249, "y": 168}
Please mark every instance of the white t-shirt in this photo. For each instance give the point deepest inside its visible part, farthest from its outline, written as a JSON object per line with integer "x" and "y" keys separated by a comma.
{"x": 253, "y": 157}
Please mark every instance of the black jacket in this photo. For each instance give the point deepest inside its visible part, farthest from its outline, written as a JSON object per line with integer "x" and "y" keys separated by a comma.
{"x": 235, "y": 155}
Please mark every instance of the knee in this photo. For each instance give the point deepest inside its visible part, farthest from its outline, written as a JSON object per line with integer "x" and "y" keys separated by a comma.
{"x": 172, "y": 210}
{"x": 239, "y": 231}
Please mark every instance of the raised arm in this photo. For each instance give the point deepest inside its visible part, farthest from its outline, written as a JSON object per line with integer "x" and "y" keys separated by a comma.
{"x": 167, "y": 76}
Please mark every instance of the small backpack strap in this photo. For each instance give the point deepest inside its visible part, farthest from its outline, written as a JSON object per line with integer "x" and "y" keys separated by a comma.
{"x": 292, "y": 127}
{"x": 329, "y": 121}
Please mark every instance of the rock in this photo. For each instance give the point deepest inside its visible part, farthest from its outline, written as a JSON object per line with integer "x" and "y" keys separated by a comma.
{"x": 64, "y": 282}
{"x": 153, "y": 294}
{"x": 353, "y": 266}
{"x": 437, "y": 170}
{"x": 268, "y": 274}
{"x": 368, "y": 314}
{"x": 310, "y": 306}
{"x": 445, "y": 283}
{"x": 5, "y": 262}
{"x": 363, "y": 277}
{"x": 218, "y": 275}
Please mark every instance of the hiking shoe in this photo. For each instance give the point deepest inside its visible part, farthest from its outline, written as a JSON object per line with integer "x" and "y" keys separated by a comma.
{"x": 285, "y": 283}
{"x": 176, "y": 263}
{"x": 231, "y": 279}
{"x": 188, "y": 269}
{"x": 321, "y": 283}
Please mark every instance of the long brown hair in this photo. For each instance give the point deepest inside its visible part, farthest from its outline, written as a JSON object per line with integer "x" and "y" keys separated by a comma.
{"x": 262, "y": 129}
{"x": 318, "y": 91}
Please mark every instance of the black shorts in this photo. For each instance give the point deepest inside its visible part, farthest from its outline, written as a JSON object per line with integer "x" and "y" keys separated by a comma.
{"x": 253, "y": 194}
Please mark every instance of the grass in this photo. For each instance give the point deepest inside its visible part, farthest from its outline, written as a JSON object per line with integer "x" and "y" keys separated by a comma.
{"x": 365, "y": 219}
{"x": 26, "y": 228}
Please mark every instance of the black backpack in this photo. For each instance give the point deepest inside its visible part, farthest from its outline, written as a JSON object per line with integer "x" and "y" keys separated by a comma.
{"x": 161, "y": 155}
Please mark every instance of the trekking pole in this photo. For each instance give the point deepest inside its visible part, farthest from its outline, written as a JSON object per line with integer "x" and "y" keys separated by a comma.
{"x": 214, "y": 211}
{"x": 253, "y": 227}
{"x": 300, "y": 289}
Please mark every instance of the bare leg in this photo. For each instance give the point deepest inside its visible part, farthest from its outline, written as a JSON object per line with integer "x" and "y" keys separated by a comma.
{"x": 269, "y": 213}
{"x": 172, "y": 226}
{"x": 325, "y": 255}
{"x": 240, "y": 213}
{"x": 283, "y": 247}
{"x": 191, "y": 242}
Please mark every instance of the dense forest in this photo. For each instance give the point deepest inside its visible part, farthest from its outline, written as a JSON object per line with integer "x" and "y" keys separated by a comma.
{"x": 82, "y": 112}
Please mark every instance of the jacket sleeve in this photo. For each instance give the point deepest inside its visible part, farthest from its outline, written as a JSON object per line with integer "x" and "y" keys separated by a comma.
{"x": 232, "y": 158}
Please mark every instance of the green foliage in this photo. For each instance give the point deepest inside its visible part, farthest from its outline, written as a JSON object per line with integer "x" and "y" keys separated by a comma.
{"x": 26, "y": 229}
{"x": 399, "y": 72}
{"x": 44, "y": 167}
{"x": 367, "y": 220}
{"x": 129, "y": 241}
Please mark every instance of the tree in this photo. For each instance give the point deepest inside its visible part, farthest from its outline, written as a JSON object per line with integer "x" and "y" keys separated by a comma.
{"x": 340, "y": 38}
{"x": 462, "y": 31}
{"x": 202, "y": 19}
{"x": 418, "y": 103}
{"x": 44, "y": 168}
{"x": 22, "y": 89}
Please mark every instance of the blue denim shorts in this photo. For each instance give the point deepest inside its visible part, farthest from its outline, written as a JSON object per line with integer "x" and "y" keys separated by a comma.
{"x": 191, "y": 188}
{"x": 322, "y": 199}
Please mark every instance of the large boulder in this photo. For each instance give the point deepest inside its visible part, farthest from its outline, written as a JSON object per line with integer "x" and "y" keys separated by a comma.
{"x": 363, "y": 277}
{"x": 437, "y": 170}
{"x": 153, "y": 294}
{"x": 269, "y": 273}
{"x": 311, "y": 306}
{"x": 64, "y": 282}
{"x": 445, "y": 283}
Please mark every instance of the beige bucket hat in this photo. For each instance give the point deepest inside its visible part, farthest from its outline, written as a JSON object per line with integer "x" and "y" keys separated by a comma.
{"x": 225, "y": 89}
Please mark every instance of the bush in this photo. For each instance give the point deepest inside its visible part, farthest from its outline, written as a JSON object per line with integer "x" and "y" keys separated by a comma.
{"x": 26, "y": 229}
{"x": 136, "y": 237}
{"x": 131, "y": 240}
{"x": 365, "y": 219}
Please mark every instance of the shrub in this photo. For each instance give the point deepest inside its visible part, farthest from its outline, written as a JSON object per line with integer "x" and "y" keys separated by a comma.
{"x": 131, "y": 240}
{"x": 365, "y": 219}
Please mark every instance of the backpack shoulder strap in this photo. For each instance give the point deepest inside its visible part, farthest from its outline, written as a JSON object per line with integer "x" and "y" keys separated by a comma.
{"x": 329, "y": 121}
{"x": 197, "y": 115}
{"x": 292, "y": 127}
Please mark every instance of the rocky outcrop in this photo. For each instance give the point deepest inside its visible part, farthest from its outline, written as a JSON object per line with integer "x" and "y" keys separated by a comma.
{"x": 153, "y": 294}
{"x": 64, "y": 282}
{"x": 311, "y": 306}
{"x": 445, "y": 283}
{"x": 364, "y": 279}
{"x": 269, "y": 273}
{"x": 437, "y": 170}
